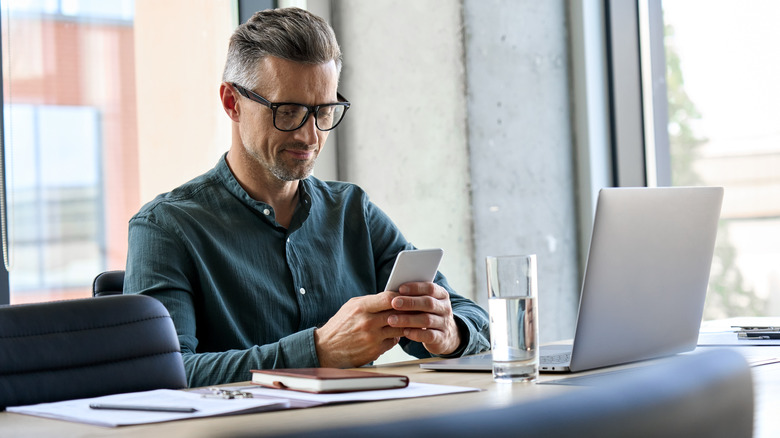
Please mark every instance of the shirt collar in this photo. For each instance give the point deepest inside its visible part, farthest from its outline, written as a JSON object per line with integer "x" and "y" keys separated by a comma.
{"x": 302, "y": 210}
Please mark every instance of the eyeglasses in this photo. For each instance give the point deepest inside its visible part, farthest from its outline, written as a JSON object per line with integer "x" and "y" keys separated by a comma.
{"x": 291, "y": 116}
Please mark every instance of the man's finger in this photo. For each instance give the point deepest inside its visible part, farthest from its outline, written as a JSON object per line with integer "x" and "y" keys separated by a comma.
{"x": 392, "y": 332}
{"x": 422, "y": 335}
{"x": 422, "y": 288}
{"x": 417, "y": 304}
{"x": 375, "y": 303}
{"x": 415, "y": 320}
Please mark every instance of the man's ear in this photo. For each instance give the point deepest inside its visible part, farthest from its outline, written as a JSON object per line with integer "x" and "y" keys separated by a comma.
{"x": 229, "y": 97}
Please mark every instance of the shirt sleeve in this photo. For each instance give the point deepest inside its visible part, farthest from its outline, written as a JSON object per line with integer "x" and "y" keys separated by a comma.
{"x": 472, "y": 320}
{"x": 158, "y": 266}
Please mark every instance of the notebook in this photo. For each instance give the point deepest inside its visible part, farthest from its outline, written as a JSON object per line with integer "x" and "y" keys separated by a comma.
{"x": 327, "y": 380}
{"x": 645, "y": 280}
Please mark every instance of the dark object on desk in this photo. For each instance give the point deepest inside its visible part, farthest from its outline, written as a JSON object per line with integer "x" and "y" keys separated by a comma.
{"x": 699, "y": 395}
{"x": 108, "y": 283}
{"x": 761, "y": 332}
{"x": 85, "y": 348}
{"x": 327, "y": 380}
{"x": 762, "y": 335}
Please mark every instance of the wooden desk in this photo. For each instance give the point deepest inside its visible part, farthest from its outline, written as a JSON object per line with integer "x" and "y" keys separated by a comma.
{"x": 17, "y": 425}
{"x": 767, "y": 381}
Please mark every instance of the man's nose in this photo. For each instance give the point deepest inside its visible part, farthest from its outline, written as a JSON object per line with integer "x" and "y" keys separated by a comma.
{"x": 308, "y": 133}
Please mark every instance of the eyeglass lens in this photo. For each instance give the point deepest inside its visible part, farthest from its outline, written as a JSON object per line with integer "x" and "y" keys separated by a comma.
{"x": 291, "y": 116}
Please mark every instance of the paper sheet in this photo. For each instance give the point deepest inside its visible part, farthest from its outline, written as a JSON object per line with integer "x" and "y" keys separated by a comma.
{"x": 79, "y": 410}
{"x": 265, "y": 399}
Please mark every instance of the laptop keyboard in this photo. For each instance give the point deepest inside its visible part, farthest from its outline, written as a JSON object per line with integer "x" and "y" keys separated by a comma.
{"x": 552, "y": 359}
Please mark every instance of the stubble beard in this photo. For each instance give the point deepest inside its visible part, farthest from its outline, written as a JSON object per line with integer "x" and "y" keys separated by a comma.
{"x": 290, "y": 170}
{"x": 300, "y": 169}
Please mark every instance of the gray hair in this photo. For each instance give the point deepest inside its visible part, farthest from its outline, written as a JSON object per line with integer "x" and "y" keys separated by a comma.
{"x": 292, "y": 34}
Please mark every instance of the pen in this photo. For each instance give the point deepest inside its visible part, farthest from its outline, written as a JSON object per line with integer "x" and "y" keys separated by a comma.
{"x": 143, "y": 408}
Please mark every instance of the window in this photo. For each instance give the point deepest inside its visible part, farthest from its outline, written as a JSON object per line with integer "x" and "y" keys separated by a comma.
{"x": 722, "y": 101}
{"x": 693, "y": 102}
{"x": 70, "y": 142}
{"x": 57, "y": 212}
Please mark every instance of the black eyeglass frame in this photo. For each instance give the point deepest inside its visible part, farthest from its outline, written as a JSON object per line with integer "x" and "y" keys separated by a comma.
{"x": 310, "y": 109}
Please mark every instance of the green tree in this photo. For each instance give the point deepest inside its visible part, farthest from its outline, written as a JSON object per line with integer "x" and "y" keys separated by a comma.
{"x": 728, "y": 296}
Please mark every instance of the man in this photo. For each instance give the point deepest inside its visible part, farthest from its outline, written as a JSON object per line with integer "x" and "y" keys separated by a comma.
{"x": 262, "y": 265}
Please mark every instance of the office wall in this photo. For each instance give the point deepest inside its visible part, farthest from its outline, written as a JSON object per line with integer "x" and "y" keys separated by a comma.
{"x": 461, "y": 132}
{"x": 404, "y": 139}
{"x": 180, "y": 53}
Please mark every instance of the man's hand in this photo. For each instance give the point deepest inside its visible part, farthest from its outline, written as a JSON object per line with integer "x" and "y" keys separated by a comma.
{"x": 427, "y": 317}
{"x": 358, "y": 333}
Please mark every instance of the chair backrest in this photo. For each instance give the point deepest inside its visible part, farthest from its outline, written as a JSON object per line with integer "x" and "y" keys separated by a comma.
{"x": 108, "y": 283}
{"x": 708, "y": 395}
{"x": 85, "y": 348}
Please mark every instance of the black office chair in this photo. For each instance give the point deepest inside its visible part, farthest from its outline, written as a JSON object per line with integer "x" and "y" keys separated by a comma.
{"x": 108, "y": 283}
{"x": 701, "y": 395}
{"x": 85, "y": 348}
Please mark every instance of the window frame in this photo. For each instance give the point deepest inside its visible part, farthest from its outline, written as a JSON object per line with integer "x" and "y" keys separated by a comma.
{"x": 637, "y": 86}
{"x": 5, "y": 285}
{"x": 618, "y": 91}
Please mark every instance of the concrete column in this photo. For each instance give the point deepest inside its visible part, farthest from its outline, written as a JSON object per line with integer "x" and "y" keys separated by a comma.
{"x": 404, "y": 140}
{"x": 465, "y": 139}
{"x": 521, "y": 153}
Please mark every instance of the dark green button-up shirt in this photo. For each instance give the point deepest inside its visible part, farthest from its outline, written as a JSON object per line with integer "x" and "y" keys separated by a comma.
{"x": 246, "y": 293}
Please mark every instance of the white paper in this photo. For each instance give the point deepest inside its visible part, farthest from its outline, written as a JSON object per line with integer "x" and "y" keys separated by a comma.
{"x": 79, "y": 410}
{"x": 411, "y": 391}
{"x": 265, "y": 399}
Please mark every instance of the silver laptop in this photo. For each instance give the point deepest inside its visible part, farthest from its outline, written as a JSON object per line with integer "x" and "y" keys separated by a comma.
{"x": 645, "y": 280}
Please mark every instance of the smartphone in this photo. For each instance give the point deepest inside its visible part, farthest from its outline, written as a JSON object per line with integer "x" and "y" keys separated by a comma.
{"x": 414, "y": 265}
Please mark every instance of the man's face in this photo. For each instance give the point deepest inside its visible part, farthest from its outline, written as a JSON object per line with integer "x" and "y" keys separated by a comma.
{"x": 287, "y": 156}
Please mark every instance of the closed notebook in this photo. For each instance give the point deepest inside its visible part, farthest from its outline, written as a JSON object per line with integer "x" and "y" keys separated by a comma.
{"x": 327, "y": 379}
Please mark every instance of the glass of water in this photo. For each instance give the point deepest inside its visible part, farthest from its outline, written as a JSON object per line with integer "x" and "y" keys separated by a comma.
{"x": 514, "y": 326}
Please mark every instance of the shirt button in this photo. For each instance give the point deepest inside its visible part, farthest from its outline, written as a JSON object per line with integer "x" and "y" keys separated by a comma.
{"x": 266, "y": 212}
{"x": 302, "y": 291}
